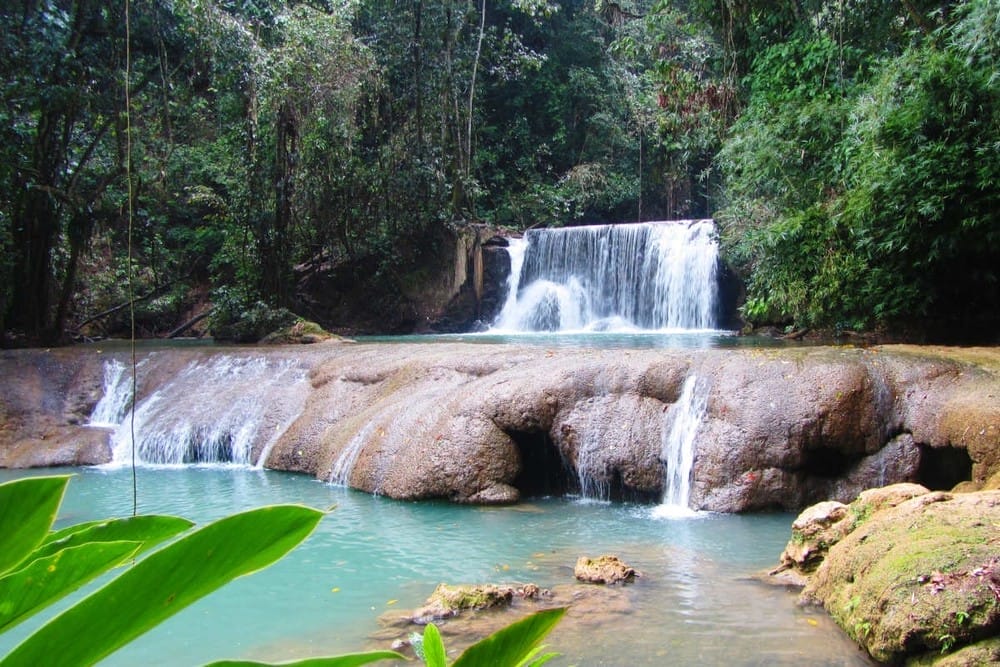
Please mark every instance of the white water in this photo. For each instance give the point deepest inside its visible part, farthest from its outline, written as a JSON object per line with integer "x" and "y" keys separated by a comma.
{"x": 340, "y": 474}
{"x": 685, "y": 416}
{"x": 591, "y": 474}
{"x": 658, "y": 276}
{"x": 114, "y": 404}
{"x": 221, "y": 410}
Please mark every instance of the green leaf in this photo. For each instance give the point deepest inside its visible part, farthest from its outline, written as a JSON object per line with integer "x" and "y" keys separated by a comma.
{"x": 511, "y": 645}
{"x": 166, "y": 582}
{"x": 50, "y": 578}
{"x": 27, "y": 509}
{"x": 150, "y": 530}
{"x": 434, "y": 653}
{"x": 535, "y": 660}
{"x": 349, "y": 660}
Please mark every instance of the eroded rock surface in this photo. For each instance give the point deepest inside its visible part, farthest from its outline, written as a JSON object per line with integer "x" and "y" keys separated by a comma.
{"x": 783, "y": 427}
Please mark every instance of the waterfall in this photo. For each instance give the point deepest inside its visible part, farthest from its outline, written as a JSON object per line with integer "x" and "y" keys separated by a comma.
{"x": 685, "y": 416}
{"x": 340, "y": 473}
{"x": 647, "y": 276}
{"x": 227, "y": 409}
{"x": 114, "y": 403}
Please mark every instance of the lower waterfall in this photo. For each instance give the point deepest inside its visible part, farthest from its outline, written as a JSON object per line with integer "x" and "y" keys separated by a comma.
{"x": 685, "y": 417}
{"x": 224, "y": 409}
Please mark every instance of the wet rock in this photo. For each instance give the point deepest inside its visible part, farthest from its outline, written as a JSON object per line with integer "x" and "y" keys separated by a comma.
{"x": 495, "y": 494}
{"x": 491, "y": 424}
{"x": 588, "y": 607}
{"x": 447, "y": 601}
{"x": 604, "y": 570}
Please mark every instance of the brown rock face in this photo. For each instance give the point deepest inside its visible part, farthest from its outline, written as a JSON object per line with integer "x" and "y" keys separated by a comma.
{"x": 603, "y": 570}
{"x": 491, "y": 423}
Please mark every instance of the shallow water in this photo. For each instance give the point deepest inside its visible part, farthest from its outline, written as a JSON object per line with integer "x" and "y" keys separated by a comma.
{"x": 371, "y": 556}
{"x": 635, "y": 339}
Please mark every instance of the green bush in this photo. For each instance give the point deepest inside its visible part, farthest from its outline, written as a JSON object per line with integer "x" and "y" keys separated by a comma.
{"x": 239, "y": 318}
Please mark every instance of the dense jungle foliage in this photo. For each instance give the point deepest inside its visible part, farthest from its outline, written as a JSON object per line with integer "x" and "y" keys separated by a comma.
{"x": 849, "y": 149}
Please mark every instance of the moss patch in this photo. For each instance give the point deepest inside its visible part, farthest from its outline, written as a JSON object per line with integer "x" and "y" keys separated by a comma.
{"x": 303, "y": 331}
{"x": 922, "y": 576}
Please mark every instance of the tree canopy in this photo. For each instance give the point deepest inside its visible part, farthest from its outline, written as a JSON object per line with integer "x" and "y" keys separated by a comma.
{"x": 848, "y": 149}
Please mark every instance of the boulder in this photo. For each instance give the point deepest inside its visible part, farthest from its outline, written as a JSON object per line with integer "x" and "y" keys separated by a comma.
{"x": 814, "y": 531}
{"x": 604, "y": 570}
{"x": 917, "y": 578}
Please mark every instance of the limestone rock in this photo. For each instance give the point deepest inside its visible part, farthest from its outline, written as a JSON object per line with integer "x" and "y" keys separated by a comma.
{"x": 920, "y": 577}
{"x": 494, "y": 423}
{"x": 302, "y": 332}
{"x": 883, "y": 497}
{"x": 603, "y": 570}
{"x": 993, "y": 483}
{"x": 814, "y": 531}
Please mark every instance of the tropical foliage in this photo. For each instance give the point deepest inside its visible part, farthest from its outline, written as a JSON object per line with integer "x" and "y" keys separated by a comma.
{"x": 40, "y": 566}
{"x": 848, "y": 149}
{"x": 861, "y": 178}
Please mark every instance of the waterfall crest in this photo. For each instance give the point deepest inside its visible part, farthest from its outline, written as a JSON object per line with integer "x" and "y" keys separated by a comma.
{"x": 646, "y": 276}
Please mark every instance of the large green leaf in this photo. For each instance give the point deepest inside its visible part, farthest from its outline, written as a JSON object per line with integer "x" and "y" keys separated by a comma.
{"x": 150, "y": 530}
{"x": 45, "y": 580}
{"x": 164, "y": 583}
{"x": 511, "y": 645}
{"x": 434, "y": 653}
{"x": 27, "y": 509}
{"x": 349, "y": 660}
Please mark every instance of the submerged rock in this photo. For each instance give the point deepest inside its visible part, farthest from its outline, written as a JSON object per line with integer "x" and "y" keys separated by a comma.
{"x": 604, "y": 570}
{"x": 915, "y": 576}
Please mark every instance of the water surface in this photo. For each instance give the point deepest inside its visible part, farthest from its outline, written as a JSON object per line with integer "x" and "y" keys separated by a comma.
{"x": 371, "y": 556}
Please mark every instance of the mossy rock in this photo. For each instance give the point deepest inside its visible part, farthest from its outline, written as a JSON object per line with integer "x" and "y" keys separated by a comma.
{"x": 302, "y": 332}
{"x": 447, "y": 600}
{"x": 920, "y": 577}
{"x": 981, "y": 654}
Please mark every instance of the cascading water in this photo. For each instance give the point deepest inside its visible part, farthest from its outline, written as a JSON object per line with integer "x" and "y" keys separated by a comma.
{"x": 223, "y": 410}
{"x": 685, "y": 416}
{"x": 114, "y": 404}
{"x": 647, "y": 276}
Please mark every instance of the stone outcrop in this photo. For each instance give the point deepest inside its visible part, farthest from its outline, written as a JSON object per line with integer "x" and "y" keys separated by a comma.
{"x": 444, "y": 283}
{"x": 448, "y": 600}
{"x": 783, "y": 427}
{"x": 910, "y": 574}
{"x": 604, "y": 570}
